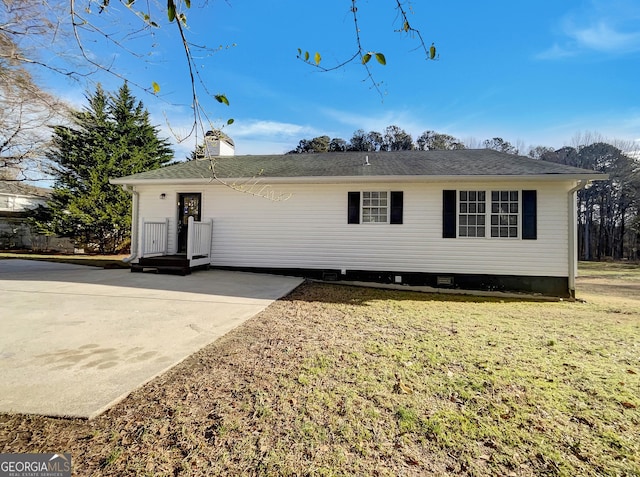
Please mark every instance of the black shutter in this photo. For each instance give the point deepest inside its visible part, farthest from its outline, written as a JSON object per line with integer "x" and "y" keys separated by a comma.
{"x": 448, "y": 214}
{"x": 397, "y": 199}
{"x": 529, "y": 215}
{"x": 354, "y": 208}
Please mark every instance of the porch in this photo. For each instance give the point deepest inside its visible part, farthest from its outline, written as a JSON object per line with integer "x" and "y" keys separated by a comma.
{"x": 154, "y": 254}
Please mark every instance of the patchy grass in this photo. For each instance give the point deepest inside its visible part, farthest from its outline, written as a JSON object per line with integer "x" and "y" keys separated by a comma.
{"x": 621, "y": 270}
{"x": 614, "y": 283}
{"x": 103, "y": 261}
{"x": 336, "y": 380}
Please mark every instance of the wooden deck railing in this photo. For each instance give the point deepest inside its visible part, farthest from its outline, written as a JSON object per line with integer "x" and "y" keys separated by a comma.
{"x": 154, "y": 240}
{"x": 155, "y": 237}
{"x": 199, "y": 241}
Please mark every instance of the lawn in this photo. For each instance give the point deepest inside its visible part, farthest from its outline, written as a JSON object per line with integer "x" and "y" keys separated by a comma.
{"x": 336, "y": 380}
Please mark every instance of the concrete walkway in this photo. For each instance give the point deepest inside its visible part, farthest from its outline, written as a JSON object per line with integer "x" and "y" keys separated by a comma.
{"x": 75, "y": 340}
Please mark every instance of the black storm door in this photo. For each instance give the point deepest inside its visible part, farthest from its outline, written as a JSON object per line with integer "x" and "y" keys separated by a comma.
{"x": 189, "y": 205}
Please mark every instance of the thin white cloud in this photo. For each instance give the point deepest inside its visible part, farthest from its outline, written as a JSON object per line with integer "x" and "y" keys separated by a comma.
{"x": 557, "y": 52}
{"x": 251, "y": 147}
{"x": 603, "y": 37}
{"x": 264, "y": 129}
{"x": 610, "y": 27}
{"x": 348, "y": 122}
{"x": 177, "y": 124}
{"x": 256, "y": 136}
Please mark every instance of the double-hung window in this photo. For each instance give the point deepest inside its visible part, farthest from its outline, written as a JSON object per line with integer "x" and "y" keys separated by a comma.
{"x": 505, "y": 211}
{"x": 375, "y": 207}
{"x": 471, "y": 213}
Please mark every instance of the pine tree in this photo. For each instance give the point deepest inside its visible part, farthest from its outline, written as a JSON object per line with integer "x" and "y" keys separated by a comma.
{"x": 111, "y": 137}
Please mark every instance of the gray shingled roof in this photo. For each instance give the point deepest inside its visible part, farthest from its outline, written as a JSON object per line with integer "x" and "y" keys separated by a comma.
{"x": 20, "y": 188}
{"x": 468, "y": 162}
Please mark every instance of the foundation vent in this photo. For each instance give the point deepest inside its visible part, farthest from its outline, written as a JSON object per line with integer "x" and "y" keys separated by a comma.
{"x": 444, "y": 281}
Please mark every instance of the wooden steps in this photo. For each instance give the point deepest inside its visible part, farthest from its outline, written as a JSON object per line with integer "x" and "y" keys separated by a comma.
{"x": 177, "y": 264}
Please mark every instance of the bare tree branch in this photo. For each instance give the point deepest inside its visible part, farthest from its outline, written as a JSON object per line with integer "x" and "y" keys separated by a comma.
{"x": 365, "y": 55}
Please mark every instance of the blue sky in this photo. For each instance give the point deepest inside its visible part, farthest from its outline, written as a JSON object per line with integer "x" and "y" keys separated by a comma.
{"x": 533, "y": 73}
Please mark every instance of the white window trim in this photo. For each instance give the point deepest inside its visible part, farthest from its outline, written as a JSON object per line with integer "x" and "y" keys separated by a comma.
{"x": 387, "y": 207}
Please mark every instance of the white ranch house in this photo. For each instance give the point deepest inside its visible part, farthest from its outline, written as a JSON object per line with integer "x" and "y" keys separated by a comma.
{"x": 471, "y": 219}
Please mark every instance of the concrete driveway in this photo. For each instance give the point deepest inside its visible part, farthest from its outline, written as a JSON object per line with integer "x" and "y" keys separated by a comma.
{"x": 75, "y": 340}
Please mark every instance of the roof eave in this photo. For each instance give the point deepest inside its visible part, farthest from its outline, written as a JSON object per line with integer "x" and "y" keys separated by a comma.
{"x": 134, "y": 181}
{"x": 366, "y": 179}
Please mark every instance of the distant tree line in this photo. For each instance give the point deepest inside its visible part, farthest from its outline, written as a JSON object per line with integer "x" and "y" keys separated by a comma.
{"x": 608, "y": 211}
{"x": 394, "y": 138}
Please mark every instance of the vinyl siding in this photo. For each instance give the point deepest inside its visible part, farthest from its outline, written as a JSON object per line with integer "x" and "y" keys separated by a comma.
{"x": 310, "y": 230}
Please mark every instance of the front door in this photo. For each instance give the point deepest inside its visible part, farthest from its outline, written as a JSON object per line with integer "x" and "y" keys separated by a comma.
{"x": 189, "y": 205}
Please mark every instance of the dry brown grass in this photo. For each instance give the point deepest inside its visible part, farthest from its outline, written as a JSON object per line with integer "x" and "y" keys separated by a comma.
{"x": 93, "y": 260}
{"x": 336, "y": 380}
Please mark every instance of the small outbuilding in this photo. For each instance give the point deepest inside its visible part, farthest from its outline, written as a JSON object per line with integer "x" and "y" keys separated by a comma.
{"x": 470, "y": 219}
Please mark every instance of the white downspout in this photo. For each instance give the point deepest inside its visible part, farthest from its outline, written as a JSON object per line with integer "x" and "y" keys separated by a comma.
{"x": 134, "y": 223}
{"x": 573, "y": 236}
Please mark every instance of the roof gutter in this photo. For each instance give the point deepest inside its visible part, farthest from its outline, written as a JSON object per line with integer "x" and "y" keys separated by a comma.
{"x": 573, "y": 235}
{"x": 134, "y": 223}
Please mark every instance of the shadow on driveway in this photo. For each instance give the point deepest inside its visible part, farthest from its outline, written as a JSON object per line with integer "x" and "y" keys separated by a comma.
{"x": 74, "y": 340}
